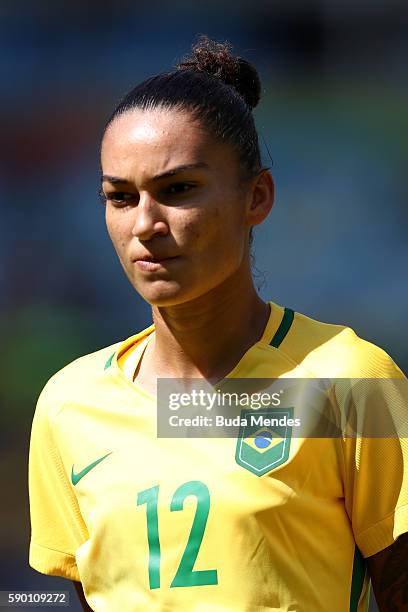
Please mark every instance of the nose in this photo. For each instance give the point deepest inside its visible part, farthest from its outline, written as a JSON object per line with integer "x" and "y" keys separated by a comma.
{"x": 149, "y": 219}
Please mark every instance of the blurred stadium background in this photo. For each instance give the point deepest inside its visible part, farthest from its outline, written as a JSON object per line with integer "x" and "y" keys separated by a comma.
{"x": 333, "y": 117}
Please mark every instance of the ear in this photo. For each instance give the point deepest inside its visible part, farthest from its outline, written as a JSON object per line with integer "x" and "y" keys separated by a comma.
{"x": 261, "y": 198}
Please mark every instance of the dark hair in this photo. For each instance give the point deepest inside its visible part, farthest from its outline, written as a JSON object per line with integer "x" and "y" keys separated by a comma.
{"x": 218, "y": 88}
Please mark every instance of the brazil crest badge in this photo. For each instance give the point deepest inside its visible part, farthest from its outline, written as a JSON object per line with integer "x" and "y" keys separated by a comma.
{"x": 264, "y": 439}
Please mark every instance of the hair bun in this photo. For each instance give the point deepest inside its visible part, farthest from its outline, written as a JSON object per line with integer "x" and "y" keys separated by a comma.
{"x": 216, "y": 59}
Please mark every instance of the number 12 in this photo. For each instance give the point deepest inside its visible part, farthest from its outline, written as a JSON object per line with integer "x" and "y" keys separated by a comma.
{"x": 185, "y": 575}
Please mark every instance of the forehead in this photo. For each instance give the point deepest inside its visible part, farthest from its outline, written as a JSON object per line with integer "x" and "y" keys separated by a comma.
{"x": 152, "y": 141}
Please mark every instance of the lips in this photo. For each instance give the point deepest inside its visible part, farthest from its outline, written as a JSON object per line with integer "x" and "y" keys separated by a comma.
{"x": 150, "y": 263}
{"x": 154, "y": 259}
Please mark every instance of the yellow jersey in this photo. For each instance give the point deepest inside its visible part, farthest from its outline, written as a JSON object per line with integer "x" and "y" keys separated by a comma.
{"x": 189, "y": 524}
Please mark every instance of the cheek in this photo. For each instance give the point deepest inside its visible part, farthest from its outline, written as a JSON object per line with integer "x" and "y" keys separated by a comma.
{"x": 218, "y": 230}
{"x": 116, "y": 230}
{"x": 198, "y": 231}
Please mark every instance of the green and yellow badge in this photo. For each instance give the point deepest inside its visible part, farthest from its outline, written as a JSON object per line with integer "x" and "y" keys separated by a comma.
{"x": 264, "y": 439}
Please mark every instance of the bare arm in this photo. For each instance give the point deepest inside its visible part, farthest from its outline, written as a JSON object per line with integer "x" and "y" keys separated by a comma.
{"x": 389, "y": 576}
{"x": 80, "y": 591}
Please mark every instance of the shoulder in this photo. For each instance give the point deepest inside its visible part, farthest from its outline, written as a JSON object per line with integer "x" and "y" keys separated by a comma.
{"x": 70, "y": 382}
{"x": 85, "y": 377}
{"x": 327, "y": 349}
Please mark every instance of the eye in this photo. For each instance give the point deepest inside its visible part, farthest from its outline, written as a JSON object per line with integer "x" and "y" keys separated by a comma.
{"x": 118, "y": 198}
{"x": 178, "y": 188}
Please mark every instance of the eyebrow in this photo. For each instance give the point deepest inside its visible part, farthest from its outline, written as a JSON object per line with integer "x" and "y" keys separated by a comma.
{"x": 172, "y": 172}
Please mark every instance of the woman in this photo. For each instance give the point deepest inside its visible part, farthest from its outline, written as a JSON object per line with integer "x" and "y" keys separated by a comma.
{"x": 148, "y": 523}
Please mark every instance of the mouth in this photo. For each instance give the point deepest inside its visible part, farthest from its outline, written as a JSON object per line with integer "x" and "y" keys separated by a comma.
{"x": 153, "y": 263}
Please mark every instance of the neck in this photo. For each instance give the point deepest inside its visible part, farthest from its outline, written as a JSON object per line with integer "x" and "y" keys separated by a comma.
{"x": 207, "y": 336}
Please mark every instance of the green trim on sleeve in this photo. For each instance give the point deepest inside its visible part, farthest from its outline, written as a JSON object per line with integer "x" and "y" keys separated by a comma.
{"x": 357, "y": 580}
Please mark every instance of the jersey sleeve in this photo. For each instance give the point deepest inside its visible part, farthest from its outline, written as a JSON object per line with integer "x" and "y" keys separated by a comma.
{"x": 376, "y": 455}
{"x": 57, "y": 527}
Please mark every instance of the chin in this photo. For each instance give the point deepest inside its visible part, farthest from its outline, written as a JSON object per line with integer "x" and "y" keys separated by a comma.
{"x": 163, "y": 294}
{"x": 166, "y": 293}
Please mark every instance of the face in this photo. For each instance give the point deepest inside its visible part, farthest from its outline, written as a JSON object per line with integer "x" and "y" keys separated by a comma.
{"x": 176, "y": 210}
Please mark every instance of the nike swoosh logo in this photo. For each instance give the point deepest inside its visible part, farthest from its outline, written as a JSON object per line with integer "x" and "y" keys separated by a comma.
{"x": 75, "y": 478}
